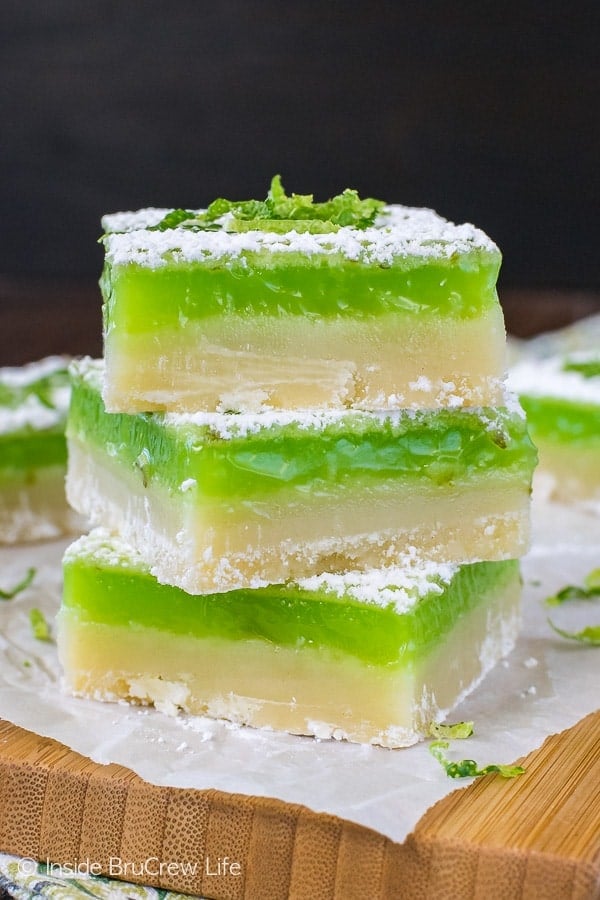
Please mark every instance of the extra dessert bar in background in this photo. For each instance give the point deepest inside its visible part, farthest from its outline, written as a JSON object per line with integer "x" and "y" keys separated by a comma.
{"x": 561, "y": 396}
{"x": 33, "y": 455}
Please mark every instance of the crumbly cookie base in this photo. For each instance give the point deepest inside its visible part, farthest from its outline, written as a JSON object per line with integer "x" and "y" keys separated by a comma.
{"x": 212, "y": 549}
{"x": 37, "y": 509}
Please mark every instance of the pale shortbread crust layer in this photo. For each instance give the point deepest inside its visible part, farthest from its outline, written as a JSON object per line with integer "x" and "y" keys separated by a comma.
{"x": 206, "y": 549}
{"x": 293, "y": 362}
{"x": 307, "y": 691}
{"x": 37, "y": 509}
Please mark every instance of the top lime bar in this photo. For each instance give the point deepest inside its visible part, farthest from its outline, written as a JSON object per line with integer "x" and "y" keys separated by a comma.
{"x": 287, "y": 303}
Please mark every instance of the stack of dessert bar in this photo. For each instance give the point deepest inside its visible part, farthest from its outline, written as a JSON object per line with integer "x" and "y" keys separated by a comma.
{"x": 310, "y": 486}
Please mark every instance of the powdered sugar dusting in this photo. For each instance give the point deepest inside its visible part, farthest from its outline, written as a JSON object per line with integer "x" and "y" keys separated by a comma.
{"x": 31, "y": 412}
{"x": 238, "y": 425}
{"x": 21, "y": 376}
{"x": 89, "y": 370}
{"x": 106, "y": 549}
{"x": 400, "y": 586}
{"x": 546, "y": 378}
{"x": 229, "y": 426}
{"x": 399, "y": 232}
{"x": 132, "y": 221}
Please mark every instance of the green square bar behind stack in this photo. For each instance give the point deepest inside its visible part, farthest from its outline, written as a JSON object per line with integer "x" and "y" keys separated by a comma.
{"x": 310, "y": 485}
{"x": 33, "y": 453}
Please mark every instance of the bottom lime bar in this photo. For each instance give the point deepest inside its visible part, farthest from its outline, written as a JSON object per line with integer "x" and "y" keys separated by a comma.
{"x": 370, "y": 657}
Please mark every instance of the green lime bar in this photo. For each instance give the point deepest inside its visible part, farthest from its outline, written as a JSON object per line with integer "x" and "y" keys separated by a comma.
{"x": 370, "y": 657}
{"x": 218, "y": 501}
{"x": 396, "y": 309}
{"x": 561, "y": 396}
{"x": 33, "y": 455}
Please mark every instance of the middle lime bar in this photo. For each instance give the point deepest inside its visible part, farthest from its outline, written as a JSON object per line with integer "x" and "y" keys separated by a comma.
{"x": 220, "y": 501}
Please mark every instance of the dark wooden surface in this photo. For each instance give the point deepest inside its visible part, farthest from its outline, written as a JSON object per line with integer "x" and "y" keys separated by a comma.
{"x": 42, "y": 316}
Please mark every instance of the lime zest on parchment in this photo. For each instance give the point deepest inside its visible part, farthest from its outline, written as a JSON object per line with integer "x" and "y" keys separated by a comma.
{"x": 458, "y": 731}
{"x": 9, "y": 593}
{"x": 468, "y": 768}
{"x": 464, "y": 768}
{"x": 39, "y": 625}
{"x": 590, "y": 590}
{"x": 589, "y": 368}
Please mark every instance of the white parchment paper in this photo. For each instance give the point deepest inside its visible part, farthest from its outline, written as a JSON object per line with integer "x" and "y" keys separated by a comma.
{"x": 546, "y": 685}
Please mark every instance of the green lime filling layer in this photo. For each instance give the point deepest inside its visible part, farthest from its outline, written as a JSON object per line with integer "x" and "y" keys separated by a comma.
{"x": 28, "y": 452}
{"x": 138, "y": 300}
{"x": 281, "y": 614}
{"x": 440, "y": 447}
{"x": 562, "y": 421}
{"x": 25, "y": 448}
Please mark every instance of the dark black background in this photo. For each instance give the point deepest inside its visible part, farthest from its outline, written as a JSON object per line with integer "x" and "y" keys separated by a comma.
{"x": 488, "y": 112}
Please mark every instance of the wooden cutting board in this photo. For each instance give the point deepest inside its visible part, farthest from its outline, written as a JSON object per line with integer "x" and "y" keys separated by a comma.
{"x": 536, "y": 837}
